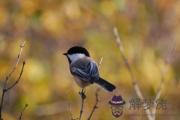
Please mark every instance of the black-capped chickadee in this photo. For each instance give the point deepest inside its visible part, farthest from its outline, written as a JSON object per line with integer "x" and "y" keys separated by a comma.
{"x": 84, "y": 69}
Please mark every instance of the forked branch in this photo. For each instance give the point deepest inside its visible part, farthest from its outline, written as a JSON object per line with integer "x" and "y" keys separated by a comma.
{"x": 6, "y": 88}
{"x": 20, "y": 116}
{"x": 133, "y": 78}
{"x": 171, "y": 49}
{"x": 96, "y": 103}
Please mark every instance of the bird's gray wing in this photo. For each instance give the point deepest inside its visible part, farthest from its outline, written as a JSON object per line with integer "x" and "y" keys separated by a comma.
{"x": 85, "y": 69}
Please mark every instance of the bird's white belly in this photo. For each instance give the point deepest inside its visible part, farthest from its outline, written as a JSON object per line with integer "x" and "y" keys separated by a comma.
{"x": 81, "y": 83}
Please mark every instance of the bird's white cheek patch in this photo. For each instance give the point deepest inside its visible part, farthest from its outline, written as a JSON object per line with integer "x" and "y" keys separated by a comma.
{"x": 76, "y": 57}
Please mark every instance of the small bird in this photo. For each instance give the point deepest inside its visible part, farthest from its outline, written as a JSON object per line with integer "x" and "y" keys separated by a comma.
{"x": 84, "y": 69}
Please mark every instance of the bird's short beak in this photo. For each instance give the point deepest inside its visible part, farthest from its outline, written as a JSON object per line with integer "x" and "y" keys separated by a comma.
{"x": 65, "y": 54}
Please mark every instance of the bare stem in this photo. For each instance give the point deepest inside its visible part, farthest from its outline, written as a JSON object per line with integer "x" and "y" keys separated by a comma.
{"x": 16, "y": 64}
{"x": 83, "y": 97}
{"x": 96, "y": 103}
{"x": 20, "y": 116}
{"x": 133, "y": 78}
{"x": 1, "y": 105}
{"x": 100, "y": 62}
{"x": 171, "y": 49}
{"x": 5, "y": 88}
{"x": 18, "y": 79}
{"x": 158, "y": 94}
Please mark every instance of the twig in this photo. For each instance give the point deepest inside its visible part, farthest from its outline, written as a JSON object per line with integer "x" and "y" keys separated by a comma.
{"x": 16, "y": 64}
{"x": 17, "y": 81}
{"x": 133, "y": 78}
{"x": 162, "y": 72}
{"x": 1, "y": 105}
{"x": 83, "y": 97}
{"x": 95, "y": 105}
{"x": 158, "y": 94}
{"x": 5, "y": 88}
{"x": 171, "y": 49}
{"x": 100, "y": 62}
{"x": 20, "y": 116}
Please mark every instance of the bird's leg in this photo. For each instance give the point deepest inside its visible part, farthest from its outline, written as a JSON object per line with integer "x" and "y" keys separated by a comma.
{"x": 83, "y": 97}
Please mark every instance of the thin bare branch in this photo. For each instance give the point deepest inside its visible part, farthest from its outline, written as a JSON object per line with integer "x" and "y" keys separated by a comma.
{"x": 1, "y": 105}
{"x": 20, "y": 116}
{"x": 83, "y": 97}
{"x": 159, "y": 91}
{"x": 17, "y": 81}
{"x": 5, "y": 88}
{"x": 171, "y": 49}
{"x": 17, "y": 62}
{"x": 96, "y": 103}
{"x": 121, "y": 49}
{"x": 158, "y": 94}
{"x": 100, "y": 62}
{"x": 133, "y": 78}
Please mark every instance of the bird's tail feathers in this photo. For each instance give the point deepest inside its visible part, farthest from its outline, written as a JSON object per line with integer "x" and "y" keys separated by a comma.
{"x": 105, "y": 84}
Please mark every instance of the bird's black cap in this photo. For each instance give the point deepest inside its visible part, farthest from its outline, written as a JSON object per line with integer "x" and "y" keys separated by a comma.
{"x": 77, "y": 49}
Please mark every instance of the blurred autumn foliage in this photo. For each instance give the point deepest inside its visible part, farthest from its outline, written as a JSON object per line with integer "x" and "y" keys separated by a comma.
{"x": 149, "y": 30}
